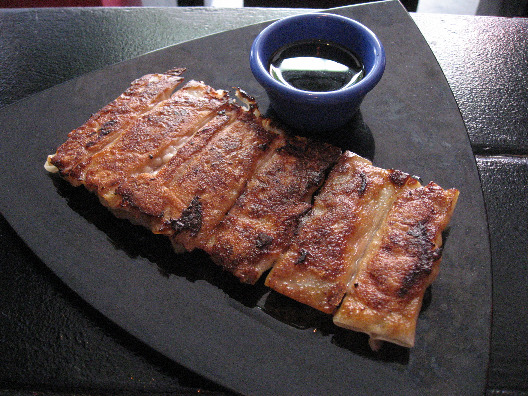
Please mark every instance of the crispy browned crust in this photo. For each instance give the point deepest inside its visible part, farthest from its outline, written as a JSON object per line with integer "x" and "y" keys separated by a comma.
{"x": 142, "y": 145}
{"x": 385, "y": 297}
{"x": 191, "y": 194}
{"x": 209, "y": 184}
{"x": 261, "y": 224}
{"x": 107, "y": 124}
{"x": 142, "y": 197}
{"x": 213, "y": 175}
{"x": 322, "y": 258}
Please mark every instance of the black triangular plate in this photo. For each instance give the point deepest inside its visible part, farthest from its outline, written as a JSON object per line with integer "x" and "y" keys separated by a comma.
{"x": 244, "y": 337}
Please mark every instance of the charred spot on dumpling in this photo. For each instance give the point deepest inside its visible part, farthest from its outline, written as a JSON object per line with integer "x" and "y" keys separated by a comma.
{"x": 190, "y": 219}
{"x": 263, "y": 240}
{"x": 303, "y": 254}
{"x": 424, "y": 256}
{"x": 363, "y": 184}
{"x": 398, "y": 177}
{"x": 107, "y": 127}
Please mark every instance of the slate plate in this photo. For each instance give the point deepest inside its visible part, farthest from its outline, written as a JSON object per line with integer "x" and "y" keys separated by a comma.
{"x": 244, "y": 337}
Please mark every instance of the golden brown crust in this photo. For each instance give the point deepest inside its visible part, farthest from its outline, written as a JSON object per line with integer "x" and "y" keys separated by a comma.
{"x": 137, "y": 149}
{"x": 106, "y": 125}
{"x": 215, "y": 178}
{"x": 213, "y": 175}
{"x": 143, "y": 195}
{"x": 385, "y": 297}
{"x": 322, "y": 258}
{"x": 261, "y": 223}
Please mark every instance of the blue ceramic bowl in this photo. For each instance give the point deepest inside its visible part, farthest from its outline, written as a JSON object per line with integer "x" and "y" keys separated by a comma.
{"x": 309, "y": 110}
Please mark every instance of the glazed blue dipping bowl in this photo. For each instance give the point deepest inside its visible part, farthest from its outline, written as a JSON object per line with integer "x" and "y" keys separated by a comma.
{"x": 309, "y": 110}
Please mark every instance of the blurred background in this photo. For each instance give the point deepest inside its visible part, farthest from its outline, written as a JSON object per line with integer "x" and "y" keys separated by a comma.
{"x": 509, "y": 8}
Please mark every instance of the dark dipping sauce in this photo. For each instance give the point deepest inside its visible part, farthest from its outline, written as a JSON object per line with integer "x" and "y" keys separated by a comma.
{"x": 316, "y": 66}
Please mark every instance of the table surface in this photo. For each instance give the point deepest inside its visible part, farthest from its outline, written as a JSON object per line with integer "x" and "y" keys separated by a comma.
{"x": 53, "y": 342}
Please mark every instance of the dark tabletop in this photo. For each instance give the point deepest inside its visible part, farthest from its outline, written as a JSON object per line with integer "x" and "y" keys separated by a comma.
{"x": 53, "y": 342}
